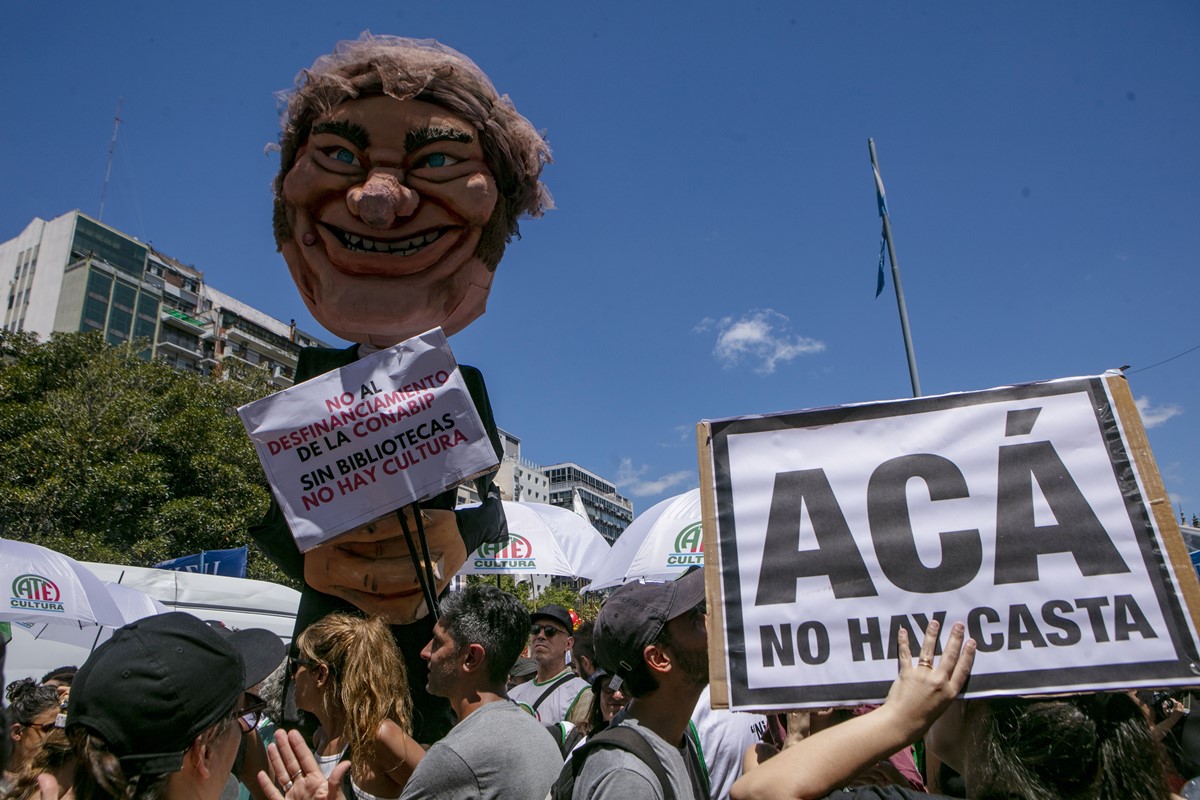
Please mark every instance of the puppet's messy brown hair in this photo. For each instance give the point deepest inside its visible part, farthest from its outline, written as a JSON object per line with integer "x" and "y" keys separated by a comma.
{"x": 425, "y": 70}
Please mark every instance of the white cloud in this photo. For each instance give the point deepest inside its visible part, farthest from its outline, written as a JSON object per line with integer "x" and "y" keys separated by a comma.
{"x": 1153, "y": 416}
{"x": 762, "y": 337}
{"x": 633, "y": 480}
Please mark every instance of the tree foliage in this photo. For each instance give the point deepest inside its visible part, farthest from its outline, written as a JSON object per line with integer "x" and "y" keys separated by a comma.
{"x": 562, "y": 594}
{"x": 108, "y": 457}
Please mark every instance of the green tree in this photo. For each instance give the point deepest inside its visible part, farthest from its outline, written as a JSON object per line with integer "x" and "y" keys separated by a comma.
{"x": 108, "y": 457}
{"x": 565, "y": 595}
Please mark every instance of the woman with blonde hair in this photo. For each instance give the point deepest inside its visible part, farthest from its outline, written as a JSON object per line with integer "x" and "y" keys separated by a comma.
{"x": 349, "y": 673}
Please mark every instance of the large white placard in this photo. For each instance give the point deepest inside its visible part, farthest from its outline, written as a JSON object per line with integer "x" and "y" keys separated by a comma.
{"x": 349, "y": 446}
{"x": 1017, "y": 511}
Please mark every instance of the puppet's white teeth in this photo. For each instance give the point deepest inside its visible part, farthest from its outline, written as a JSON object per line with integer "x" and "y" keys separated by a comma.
{"x": 407, "y": 247}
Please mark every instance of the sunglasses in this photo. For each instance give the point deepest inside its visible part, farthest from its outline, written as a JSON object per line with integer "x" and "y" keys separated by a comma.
{"x": 251, "y": 712}
{"x": 296, "y": 662}
{"x": 549, "y": 630}
{"x": 44, "y": 727}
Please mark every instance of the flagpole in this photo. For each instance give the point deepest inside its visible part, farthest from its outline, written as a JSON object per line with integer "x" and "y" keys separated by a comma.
{"x": 891, "y": 247}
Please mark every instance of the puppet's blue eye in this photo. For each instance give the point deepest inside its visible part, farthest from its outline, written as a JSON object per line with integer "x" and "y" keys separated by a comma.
{"x": 344, "y": 155}
{"x": 437, "y": 160}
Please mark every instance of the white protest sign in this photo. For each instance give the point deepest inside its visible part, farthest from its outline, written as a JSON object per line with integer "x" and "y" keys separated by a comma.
{"x": 349, "y": 446}
{"x": 1022, "y": 512}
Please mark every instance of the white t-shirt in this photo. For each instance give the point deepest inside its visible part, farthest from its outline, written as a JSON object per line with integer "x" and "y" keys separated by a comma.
{"x": 558, "y": 705}
{"x": 724, "y": 737}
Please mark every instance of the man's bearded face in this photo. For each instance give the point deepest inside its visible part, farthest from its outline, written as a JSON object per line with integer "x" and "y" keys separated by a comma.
{"x": 387, "y": 202}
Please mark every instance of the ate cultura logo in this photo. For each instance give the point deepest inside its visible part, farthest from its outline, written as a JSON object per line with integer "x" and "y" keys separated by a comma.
{"x": 689, "y": 547}
{"x": 35, "y": 593}
{"x": 515, "y": 552}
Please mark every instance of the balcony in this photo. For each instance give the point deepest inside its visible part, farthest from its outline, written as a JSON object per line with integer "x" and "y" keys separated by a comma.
{"x": 181, "y": 320}
{"x": 281, "y": 376}
{"x": 171, "y": 340}
{"x": 244, "y": 337}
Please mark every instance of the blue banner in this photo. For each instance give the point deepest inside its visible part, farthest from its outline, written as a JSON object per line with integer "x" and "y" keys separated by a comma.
{"x": 230, "y": 563}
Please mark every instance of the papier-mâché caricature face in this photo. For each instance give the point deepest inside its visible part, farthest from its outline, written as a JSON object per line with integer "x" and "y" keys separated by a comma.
{"x": 387, "y": 204}
{"x": 403, "y": 174}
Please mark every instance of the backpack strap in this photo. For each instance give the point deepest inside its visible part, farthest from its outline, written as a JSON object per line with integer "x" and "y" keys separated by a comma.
{"x": 693, "y": 759}
{"x": 568, "y": 743}
{"x": 550, "y": 689}
{"x": 629, "y": 740}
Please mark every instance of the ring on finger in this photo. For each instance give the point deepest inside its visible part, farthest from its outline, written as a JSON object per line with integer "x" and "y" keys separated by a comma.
{"x": 925, "y": 662}
{"x": 297, "y": 774}
{"x": 287, "y": 787}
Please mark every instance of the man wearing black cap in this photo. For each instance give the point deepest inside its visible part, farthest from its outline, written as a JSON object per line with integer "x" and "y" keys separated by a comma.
{"x": 653, "y": 637}
{"x": 553, "y": 693}
{"x": 164, "y": 703}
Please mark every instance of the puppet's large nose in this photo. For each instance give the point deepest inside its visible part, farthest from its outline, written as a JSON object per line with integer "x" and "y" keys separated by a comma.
{"x": 380, "y": 199}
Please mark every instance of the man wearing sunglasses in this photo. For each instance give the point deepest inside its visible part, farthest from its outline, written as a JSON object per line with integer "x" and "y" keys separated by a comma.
{"x": 553, "y": 692}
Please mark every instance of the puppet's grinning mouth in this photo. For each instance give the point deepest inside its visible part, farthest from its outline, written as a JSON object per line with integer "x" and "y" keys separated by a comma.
{"x": 362, "y": 244}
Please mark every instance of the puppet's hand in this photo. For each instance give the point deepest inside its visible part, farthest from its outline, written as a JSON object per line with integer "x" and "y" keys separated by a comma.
{"x": 372, "y": 567}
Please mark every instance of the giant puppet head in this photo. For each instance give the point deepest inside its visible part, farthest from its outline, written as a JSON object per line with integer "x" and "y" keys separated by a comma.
{"x": 402, "y": 176}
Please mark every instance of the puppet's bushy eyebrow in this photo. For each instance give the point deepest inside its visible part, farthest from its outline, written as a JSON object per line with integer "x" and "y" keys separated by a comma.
{"x": 350, "y": 131}
{"x": 415, "y": 139}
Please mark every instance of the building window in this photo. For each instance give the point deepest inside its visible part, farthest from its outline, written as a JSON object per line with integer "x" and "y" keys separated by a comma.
{"x": 95, "y": 305}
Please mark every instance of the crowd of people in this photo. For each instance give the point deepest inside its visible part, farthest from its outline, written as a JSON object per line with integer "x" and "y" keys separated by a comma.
{"x": 175, "y": 708}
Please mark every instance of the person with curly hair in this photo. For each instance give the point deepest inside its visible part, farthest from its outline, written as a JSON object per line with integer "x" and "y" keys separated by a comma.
{"x": 349, "y": 674}
{"x": 31, "y": 714}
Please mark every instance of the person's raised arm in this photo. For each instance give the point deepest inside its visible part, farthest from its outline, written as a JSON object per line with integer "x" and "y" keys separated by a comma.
{"x": 826, "y": 760}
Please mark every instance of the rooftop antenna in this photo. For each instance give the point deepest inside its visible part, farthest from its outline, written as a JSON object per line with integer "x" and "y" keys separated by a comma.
{"x": 111, "y": 147}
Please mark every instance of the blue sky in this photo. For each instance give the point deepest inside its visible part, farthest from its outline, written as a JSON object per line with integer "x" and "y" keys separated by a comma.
{"x": 714, "y": 248}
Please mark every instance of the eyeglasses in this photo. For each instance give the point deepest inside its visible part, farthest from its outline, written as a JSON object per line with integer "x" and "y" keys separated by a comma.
{"x": 44, "y": 727}
{"x": 549, "y": 630}
{"x": 251, "y": 712}
{"x": 296, "y": 662}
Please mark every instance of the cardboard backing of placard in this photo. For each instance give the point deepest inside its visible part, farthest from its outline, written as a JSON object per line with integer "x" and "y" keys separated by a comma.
{"x": 717, "y": 682}
{"x": 1155, "y": 493}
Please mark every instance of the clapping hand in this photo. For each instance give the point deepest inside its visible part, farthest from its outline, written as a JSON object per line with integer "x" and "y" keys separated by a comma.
{"x": 296, "y": 769}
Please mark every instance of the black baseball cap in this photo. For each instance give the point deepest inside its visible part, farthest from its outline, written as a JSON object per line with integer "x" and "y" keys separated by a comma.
{"x": 261, "y": 650}
{"x": 635, "y": 615}
{"x": 153, "y": 687}
{"x": 557, "y": 613}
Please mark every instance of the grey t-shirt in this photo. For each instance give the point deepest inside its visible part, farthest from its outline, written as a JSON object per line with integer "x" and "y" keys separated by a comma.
{"x": 611, "y": 774}
{"x": 498, "y": 751}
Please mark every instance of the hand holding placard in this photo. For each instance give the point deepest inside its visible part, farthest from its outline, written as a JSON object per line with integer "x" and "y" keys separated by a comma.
{"x": 372, "y": 567}
{"x": 831, "y": 758}
{"x": 924, "y": 690}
